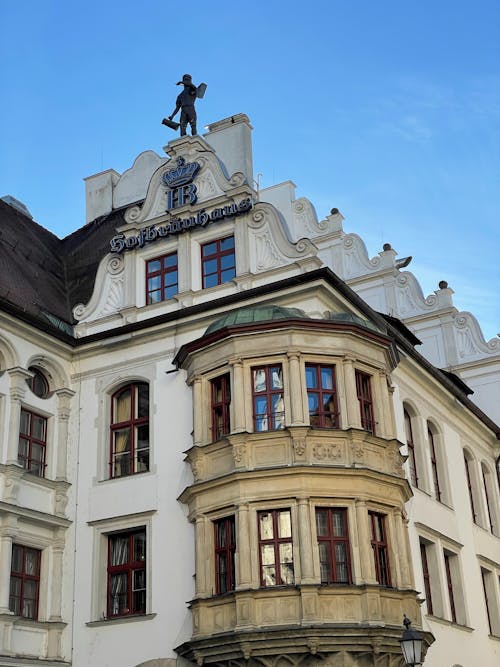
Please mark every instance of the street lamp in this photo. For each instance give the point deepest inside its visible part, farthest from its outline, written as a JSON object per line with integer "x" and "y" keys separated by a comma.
{"x": 411, "y": 644}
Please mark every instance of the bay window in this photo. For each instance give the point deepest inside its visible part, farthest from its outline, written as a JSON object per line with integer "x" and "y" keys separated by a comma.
{"x": 275, "y": 548}
{"x": 220, "y": 404}
{"x": 322, "y": 396}
{"x": 333, "y": 545}
{"x": 225, "y": 547}
{"x": 268, "y": 402}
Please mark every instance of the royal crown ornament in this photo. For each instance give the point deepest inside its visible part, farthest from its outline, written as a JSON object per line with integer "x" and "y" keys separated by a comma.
{"x": 184, "y": 173}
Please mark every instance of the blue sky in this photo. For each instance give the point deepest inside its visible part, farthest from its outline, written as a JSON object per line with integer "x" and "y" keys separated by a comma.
{"x": 388, "y": 110}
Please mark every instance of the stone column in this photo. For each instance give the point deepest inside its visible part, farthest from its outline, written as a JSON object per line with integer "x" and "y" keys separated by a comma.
{"x": 401, "y": 535}
{"x": 7, "y": 534}
{"x": 305, "y": 542}
{"x": 18, "y": 377}
{"x": 63, "y": 412}
{"x": 238, "y": 424}
{"x": 296, "y": 391}
{"x": 396, "y": 551}
{"x": 200, "y": 556}
{"x": 244, "y": 570}
{"x": 364, "y": 542}
{"x": 382, "y": 407}
{"x": 197, "y": 411}
{"x": 56, "y": 576}
{"x": 353, "y": 419}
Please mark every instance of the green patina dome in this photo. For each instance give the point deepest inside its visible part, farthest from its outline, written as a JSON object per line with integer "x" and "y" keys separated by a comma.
{"x": 256, "y": 314}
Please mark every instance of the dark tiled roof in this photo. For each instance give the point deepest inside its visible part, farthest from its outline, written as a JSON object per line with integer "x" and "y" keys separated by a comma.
{"x": 43, "y": 276}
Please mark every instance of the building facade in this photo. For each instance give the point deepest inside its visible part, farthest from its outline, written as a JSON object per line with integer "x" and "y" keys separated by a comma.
{"x": 229, "y": 436}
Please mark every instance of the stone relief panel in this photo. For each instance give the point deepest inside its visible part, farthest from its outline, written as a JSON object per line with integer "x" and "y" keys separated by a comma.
{"x": 109, "y": 291}
{"x": 269, "y": 246}
{"x": 470, "y": 340}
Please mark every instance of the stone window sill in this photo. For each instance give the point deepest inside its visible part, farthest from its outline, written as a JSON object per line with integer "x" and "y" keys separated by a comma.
{"x": 120, "y": 619}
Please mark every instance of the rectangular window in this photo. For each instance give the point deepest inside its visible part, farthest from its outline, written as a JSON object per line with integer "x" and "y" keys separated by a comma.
{"x": 333, "y": 545}
{"x": 275, "y": 548}
{"x": 364, "y": 392}
{"x": 162, "y": 278}
{"x": 380, "y": 548}
{"x": 225, "y": 547}
{"x": 449, "y": 584}
{"x": 32, "y": 442}
{"x": 268, "y": 403}
{"x": 218, "y": 262}
{"x": 24, "y": 581}
{"x": 427, "y": 578}
{"x": 127, "y": 573}
{"x": 322, "y": 396}
{"x": 221, "y": 402}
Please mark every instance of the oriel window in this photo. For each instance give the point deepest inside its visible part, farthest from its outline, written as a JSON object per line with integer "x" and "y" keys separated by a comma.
{"x": 225, "y": 547}
{"x": 221, "y": 402}
{"x": 275, "y": 548}
{"x": 322, "y": 396}
{"x": 380, "y": 548}
{"x": 268, "y": 401}
{"x": 364, "y": 393}
{"x": 333, "y": 545}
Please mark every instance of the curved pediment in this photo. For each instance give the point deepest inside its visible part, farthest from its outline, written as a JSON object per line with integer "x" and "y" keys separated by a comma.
{"x": 193, "y": 175}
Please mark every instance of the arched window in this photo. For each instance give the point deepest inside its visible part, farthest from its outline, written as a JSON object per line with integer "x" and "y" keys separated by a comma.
{"x": 411, "y": 449}
{"x": 38, "y": 384}
{"x": 434, "y": 462}
{"x": 130, "y": 430}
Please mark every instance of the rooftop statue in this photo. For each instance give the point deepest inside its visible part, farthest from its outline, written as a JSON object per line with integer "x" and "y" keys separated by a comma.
{"x": 185, "y": 102}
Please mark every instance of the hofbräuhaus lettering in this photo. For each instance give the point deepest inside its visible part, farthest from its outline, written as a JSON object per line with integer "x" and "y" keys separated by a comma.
{"x": 120, "y": 243}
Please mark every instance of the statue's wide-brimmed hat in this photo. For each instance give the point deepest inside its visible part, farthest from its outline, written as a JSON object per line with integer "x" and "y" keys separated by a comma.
{"x": 187, "y": 78}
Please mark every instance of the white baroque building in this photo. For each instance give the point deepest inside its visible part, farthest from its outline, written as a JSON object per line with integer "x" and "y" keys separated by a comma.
{"x": 229, "y": 436}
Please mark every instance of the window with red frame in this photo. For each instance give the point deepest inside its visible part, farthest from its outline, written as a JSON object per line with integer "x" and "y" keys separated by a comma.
{"x": 218, "y": 262}
{"x": 449, "y": 582}
{"x": 221, "y": 402}
{"x": 434, "y": 464}
{"x": 31, "y": 454}
{"x": 364, "y": 392}
{"x": 333, "y": 545}
{"x": 162, "y": 277}
{"x": 225, "y": 547}
{"x": 322, "y": 396}
{"x": 411, "y": 449}
{"x": 426, "y": 576}
{"x": 380, "y": 548}
{"x": 130, "y": 430}
{"x": 127, "y": 573}
{"x": 24, "y": 581}
{"x": 268, "y": 403}
{"x": 275, "y": 548}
